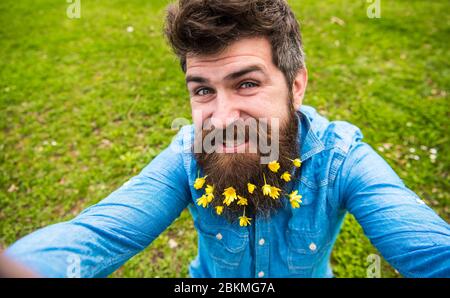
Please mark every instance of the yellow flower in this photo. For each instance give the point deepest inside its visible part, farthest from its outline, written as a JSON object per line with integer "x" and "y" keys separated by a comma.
{"x": 209, "y": 189}
{"x": 274, "y": 192}
{"x": 286, "y": 176}
{"x": 209, "y": 197}
{"x": 297, "y": 162}
{"x": 242, "y": 201}
{"x": 202, "y": 201}
{"x": 295, "y": 199}
{"x": 266, "y": 189}
{"x": 219, "y": 210}
{"x": 271, "y": 191}
{"x": 230, "y": 195}
{"x": 251, "y": 187}
{"x": 244, "y": 221}
{"x": 274, "y": 166}
{"x": 199, "y": 182}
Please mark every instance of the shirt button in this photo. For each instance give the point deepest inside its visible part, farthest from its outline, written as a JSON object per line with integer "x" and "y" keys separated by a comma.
{"x": 420, "y": 201}
{"x": 312, "y": 246}
{"x": 261, "y": 241}
{"x": 261, "y": 274}
{"x": 219, "y": 236}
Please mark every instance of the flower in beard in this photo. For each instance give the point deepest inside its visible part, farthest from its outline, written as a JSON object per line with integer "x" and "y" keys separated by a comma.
{"x": 274, "y": 166}
{"x": 199, "y": 182}
{"x": 271, "y": 191}
{"x": 297, "y": 163}
{"x": 203, "y": 201}
{"x": 209, "y": 189}
{"x": 251, "y": 187}
{"x": 242, "y": 201}
{"x": 286, "y": 176}
{"x": 230, "y": 195}
{"x": 236, "y": 173}
{"x": 209, "y": 192}
{"x": 244, "y": 220}
{"x": 295, "y": 199}
{"x": 219, "y": 210}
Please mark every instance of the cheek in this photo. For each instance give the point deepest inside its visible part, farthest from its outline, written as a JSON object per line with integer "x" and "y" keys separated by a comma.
{"x": 199, "y": 114}
{"x": 270, "y": 108}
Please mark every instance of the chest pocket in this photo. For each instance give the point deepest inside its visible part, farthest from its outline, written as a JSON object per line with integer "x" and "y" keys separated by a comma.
{"x": 224, "y": 245}
{"x": 305, "y": 250}
{"x": 307, "y": 238}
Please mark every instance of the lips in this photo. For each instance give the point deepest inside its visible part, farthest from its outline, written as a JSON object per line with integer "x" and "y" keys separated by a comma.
{"x": 237, "y": 141}
{"x": 241, "y": 136}
{"x": 234, "y": 143}
{"x": 233, "y": 148}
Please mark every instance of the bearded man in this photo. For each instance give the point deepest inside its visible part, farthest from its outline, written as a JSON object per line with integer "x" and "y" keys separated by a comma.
{"x": 267, "y": 180}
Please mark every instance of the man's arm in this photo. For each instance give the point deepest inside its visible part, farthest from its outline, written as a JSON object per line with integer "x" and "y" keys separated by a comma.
{"x": 409, "y": 234}
{"x": 102, "y": 237}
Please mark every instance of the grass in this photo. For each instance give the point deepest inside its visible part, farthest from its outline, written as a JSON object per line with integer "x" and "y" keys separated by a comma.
{"x": 85, "y": 105}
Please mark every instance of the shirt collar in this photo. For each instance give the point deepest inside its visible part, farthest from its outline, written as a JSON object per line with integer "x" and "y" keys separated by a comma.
{"x": 310, "y": 144}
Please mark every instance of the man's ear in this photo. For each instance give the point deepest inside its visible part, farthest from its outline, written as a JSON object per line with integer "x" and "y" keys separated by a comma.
{"x": 299, "y": 87}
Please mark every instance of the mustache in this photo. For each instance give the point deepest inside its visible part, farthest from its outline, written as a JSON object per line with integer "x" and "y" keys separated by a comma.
{"x": 251, "y": 130}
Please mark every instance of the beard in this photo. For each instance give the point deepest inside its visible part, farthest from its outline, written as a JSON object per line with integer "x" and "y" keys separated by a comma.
{"x": 235, "y": 170}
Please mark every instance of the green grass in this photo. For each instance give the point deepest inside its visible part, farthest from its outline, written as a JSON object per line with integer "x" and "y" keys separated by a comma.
{"x": 85, "y": 105}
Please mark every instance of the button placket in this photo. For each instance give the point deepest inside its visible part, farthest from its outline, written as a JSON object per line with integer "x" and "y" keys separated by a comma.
{"x": 261, "y": 248}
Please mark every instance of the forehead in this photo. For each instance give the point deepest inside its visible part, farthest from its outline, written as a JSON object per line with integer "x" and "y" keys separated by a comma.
{"x": 255, "y": 50}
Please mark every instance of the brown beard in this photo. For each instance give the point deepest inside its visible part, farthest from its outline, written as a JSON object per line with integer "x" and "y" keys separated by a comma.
{"x": 237, "y": 169}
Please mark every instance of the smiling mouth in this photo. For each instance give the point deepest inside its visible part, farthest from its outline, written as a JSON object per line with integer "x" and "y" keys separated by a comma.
{"x": 232, "y": 145}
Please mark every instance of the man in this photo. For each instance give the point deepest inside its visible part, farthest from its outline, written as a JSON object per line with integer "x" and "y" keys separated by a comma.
{"x": 260, "y": 210}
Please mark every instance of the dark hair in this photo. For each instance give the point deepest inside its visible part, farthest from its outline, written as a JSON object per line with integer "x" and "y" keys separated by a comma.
{"x": 209, "y": 26}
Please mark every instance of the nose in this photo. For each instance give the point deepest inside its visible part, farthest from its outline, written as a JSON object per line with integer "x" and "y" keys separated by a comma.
{"x": 226, "y": 111}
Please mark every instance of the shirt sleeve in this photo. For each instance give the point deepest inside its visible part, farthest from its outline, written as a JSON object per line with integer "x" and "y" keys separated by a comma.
{"x": 409, "y": 234}
{"x": 102, "y": 237}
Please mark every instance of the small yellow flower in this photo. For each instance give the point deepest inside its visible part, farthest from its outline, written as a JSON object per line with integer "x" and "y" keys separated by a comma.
{"x": 202, "y": 201}
{"x": 286, "y": 176}
{"x": 274, "y": 166}
{"x": 244, "y": 221}
{"x": 219, "y": 210}
{"x": 274, "y": 192}
{"x": 199, "y": 182}
{"x": 242, "y": 201}
{"x": 251, "y": 187}
{"x": 271, "y": 191}
{"x": 295, "y": 199}
{"x": 266, "y": 189}
{"x": 297, "y": 162}
{"x": 209, "y": 197}
{"x": 230, "y": 195}
{"x": 209, "y": 189}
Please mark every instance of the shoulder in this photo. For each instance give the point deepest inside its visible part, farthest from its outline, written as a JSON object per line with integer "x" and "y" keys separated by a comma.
{"x": 340, "y": 135}
{"x": 183, "y": 141}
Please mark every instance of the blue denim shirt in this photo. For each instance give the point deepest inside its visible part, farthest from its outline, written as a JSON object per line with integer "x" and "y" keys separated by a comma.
{"x": 339, "y": 174}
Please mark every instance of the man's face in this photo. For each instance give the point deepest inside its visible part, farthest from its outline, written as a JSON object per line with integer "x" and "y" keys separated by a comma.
{"x": 241, "y": 84}
{"x": 238, "y": 83}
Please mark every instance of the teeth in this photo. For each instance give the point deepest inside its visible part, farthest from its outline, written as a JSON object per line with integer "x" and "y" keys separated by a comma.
{"x": 229, "y": 144}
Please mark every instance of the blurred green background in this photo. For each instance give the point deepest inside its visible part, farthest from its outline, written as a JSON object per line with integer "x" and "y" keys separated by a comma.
{"x": 86, "y": 103}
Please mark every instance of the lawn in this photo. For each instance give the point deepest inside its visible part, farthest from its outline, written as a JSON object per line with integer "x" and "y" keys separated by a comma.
{"x": 87, "y": 103}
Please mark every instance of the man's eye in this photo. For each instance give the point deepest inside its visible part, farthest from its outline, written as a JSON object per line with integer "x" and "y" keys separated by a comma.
{"x": 246, "y": 85}
{"x": 203, "y": 91}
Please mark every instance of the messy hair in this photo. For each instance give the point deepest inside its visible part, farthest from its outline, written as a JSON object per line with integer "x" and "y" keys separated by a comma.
{"x": 209, "y": 26}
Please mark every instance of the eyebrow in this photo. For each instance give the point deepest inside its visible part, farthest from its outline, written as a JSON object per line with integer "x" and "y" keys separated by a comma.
{"x": 231, "y": 76}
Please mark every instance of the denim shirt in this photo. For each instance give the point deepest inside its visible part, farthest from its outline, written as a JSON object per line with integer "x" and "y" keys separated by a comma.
{"x": 339, "y": 174}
